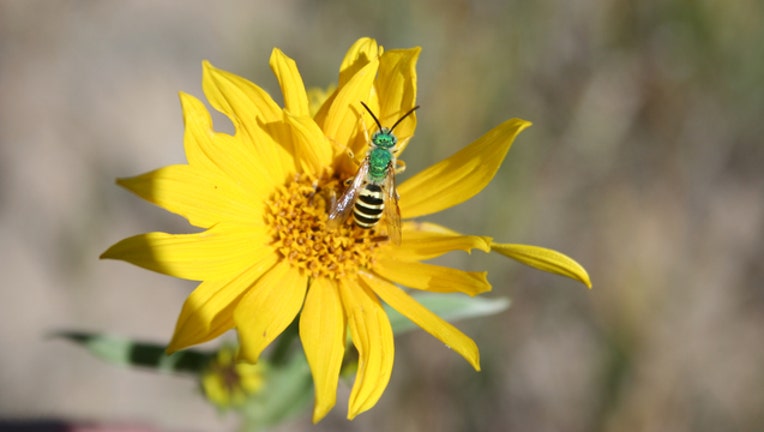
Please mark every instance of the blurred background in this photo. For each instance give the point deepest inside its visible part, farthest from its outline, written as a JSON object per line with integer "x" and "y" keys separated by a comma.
{"x": 645, "y": 163}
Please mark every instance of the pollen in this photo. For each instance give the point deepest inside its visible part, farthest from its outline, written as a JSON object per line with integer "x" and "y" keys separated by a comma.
{"x": 297, "y": 216}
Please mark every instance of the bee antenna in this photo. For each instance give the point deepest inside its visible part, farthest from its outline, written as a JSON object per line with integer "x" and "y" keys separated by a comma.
{"x": 379, "y": 125}
{"x": 404, "y": 116}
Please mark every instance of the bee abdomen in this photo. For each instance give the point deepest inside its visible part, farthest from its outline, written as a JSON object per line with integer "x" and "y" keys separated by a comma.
{"x": 369, "y": 205}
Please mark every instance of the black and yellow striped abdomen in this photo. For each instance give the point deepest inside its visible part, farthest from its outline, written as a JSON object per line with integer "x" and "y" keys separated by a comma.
{"x": 369, "y": 206}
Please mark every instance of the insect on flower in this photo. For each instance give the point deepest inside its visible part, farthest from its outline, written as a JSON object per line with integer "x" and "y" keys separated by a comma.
{"x": 372, "y": 190}
{"x": 262, "y": 256}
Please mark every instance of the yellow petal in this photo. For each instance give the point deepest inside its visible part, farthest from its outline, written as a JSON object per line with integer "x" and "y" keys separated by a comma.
{"x": 544, "y": 259}
{"x": 424, "y": 318}
{"x": 251, "y": 111}
{"x": 423, "y": 240}
{"x": 429, "y": 227}
{"x": 208, "y": 310}
{"x": 198, "y": 133}
{"x": 432, "y": 278}
{"x": 292, "y": 87}
{"x": 215, "y": 254}
{"x": 461, "y": 176}
{"x": 341, "y": 123}
{"x": 318, "y": 96}
{"x": 322, "y": 332}
{"x": 396, "y": 87}
{"x": 229, "y": 93}
{"x": 268, "y": 308}
{"x": 199, "y": 323}
{"x": 198, "y": 195}
{"x": 222, "y": 153}
{"x": 312, "y": 150}
{"x": 362, "y": 52}
{"x": 373, "y": 338}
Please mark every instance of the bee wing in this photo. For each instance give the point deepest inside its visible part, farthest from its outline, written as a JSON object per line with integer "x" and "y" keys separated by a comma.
{"x": 342, "y": 208}
{"x": 392, "y": 212}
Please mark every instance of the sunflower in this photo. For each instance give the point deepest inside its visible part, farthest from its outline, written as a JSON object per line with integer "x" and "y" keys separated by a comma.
{"x": 265, "y": 255}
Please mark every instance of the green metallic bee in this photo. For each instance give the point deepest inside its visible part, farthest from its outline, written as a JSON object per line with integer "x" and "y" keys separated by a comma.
{"x": 372, "y": 190}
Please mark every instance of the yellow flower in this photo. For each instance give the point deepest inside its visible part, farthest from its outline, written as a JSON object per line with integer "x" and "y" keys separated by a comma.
{"x": 266, "y": 254}
{"x": 228, "y": 383}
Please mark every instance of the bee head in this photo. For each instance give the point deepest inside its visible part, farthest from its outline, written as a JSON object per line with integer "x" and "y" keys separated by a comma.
{"x": 384, "y": 138}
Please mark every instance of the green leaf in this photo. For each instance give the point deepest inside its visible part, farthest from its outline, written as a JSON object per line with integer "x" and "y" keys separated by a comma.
{"x": 287, "y": 392}
{"x": 126, "y": 352}
{"x": 450, "y": 307}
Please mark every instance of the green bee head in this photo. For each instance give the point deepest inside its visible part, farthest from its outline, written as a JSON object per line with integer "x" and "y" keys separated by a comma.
{"x": 384, "y": 137}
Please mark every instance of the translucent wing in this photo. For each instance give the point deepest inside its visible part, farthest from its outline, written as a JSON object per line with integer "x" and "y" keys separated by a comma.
{"x": 342, "y": 208}
{"x": 392, "y": 212}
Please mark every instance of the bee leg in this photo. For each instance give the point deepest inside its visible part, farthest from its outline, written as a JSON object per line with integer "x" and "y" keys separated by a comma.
{"x": 401, "y": 166}
{"x": 315, "y": 187}
{"x": 335, "y": 144}
{"x": 365, "y": 129}
{"x": 350, "y": 153}
{"x": 332, "y": 199}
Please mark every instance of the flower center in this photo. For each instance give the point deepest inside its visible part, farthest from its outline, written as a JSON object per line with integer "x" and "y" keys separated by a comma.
{"x": 297, "y": 216}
